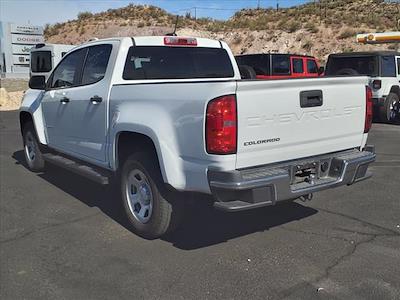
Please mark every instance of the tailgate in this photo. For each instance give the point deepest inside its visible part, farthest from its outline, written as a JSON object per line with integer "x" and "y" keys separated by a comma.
{"x": 275, "y": 125}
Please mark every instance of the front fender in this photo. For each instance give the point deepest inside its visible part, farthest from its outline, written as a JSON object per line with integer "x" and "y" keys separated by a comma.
{"x": 31, "y": 103}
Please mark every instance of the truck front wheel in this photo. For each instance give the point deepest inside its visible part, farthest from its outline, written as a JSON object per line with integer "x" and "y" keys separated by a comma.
{"x": 150, "y": 209}
{"x": 388, "y": 112}
{"x": 33, "y": 155}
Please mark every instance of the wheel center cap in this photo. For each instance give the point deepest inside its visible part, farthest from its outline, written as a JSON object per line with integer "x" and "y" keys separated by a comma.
{"x": 144, "y": 194}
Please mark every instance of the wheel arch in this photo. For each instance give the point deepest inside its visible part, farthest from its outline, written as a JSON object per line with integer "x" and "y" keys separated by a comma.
{"x": 128, "y": 142}
{"x": 25, "y": 117}
{"x": 395, "y": 89}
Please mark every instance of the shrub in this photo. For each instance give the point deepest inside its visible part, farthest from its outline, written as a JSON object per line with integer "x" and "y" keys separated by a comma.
{"x": 292, "y": 26}
{"x": 282, "y": 24}
{"x": 311, "y": 27}
{"x": 84, "y": 15}
{"x": 393, "y": 46}
{"x": 140, "y": 24}
{"x": 307, "y": 46}
{"x": 347, "y": 33}
{"x": 237, "y": 40}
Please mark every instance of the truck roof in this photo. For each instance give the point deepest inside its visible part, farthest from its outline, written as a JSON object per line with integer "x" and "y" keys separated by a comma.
{"x": 291, "y": 54}
{"x": 366, "y": 53}
{"x": 159, "y": 41}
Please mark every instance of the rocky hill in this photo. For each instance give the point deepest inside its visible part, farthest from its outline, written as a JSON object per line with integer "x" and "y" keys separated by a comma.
{"x": 317, "y": 28}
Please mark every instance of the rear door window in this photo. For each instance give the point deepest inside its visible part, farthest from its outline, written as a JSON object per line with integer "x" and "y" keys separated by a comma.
{"x": 159, "y": 62}
{"x": 352, "y": 65}
{"x": 96, "y": 63}
{"x": 280, "y": 64}
{"x": 298, "y": 65}
{"x": 388, "y": 66}
{"x": 259, "y": 62}
{"x": 41, "y": 61}
{"x": 312, "y": 67}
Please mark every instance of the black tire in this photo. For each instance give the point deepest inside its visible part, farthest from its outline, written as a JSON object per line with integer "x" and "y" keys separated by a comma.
{"x": 166, "y": 210}
{"x": 32, "y": 151}
{"x": 389, "y": 111}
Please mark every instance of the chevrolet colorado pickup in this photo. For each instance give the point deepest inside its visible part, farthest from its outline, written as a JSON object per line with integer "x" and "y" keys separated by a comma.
{"x": 170, "y": 114}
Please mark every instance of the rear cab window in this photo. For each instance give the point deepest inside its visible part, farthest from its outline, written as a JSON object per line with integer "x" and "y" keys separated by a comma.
{"x": 41, "y": 61}
{"x": 160, "y": 62}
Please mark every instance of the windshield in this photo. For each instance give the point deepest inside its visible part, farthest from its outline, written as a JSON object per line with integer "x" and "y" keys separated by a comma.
{"x": 353, "y": 65}
{"x": 158, "y": 62}
{"x": 41, "y": 61}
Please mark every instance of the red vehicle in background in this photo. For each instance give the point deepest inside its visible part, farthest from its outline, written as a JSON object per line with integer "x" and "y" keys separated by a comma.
{"x": 278, "y": 66}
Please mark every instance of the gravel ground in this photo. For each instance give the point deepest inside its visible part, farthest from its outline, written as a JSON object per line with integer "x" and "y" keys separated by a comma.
{"x": 11, "y": 92}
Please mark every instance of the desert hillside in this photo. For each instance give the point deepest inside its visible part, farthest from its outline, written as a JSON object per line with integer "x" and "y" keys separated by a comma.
{"x": 317, "y": 28}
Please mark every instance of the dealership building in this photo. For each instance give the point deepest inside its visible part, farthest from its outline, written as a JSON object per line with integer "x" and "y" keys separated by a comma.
{"x": 15, "y": 43}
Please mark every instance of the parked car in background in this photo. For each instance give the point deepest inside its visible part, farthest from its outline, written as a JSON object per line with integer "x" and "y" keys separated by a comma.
{"x": 167, "y": 114}
{"x": 383, "y": 68}
{"x": 44, "y": 57}
{"x": 279, "y": 66}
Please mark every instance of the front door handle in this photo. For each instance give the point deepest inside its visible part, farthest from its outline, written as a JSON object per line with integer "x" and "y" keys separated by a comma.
{"x": 96, "y": 99}
{"x": 64, "y": 100}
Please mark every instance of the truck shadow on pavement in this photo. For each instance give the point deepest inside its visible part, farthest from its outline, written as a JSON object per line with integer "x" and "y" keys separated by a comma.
{"x": 202, "y": 225}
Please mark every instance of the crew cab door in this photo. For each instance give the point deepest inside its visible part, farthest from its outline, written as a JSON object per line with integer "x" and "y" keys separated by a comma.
{"x": 76, "y": 115}
{"x": 298, "y": 69}
{"x": 312, "y": 67}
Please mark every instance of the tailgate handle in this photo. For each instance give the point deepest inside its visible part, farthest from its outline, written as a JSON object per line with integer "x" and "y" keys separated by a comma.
{"x": 311, "y": 98}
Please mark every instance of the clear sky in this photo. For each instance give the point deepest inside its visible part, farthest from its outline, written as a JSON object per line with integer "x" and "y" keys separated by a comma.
{"x": 40, "y": 12}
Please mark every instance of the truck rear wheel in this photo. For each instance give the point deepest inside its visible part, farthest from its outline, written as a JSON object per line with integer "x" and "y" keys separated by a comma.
{"x": 146, "y": 201}
{"x": 32, "y": 152}
{"x": 389, "y": 111}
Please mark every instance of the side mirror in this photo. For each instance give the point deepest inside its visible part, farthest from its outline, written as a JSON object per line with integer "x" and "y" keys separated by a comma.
{"x": 37, "y": 83}
{"x": 321, "y": 70}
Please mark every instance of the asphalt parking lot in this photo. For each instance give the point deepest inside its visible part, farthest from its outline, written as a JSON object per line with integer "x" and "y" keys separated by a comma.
{"x": 63, "y": 237}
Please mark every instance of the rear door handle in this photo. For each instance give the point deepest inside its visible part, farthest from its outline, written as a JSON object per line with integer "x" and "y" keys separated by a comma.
{"x": 64, "y": 100}
{"x": 311, "y": 98}
{"x": 96, "y": 99}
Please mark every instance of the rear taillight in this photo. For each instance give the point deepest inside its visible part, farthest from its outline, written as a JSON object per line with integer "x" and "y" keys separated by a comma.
{"x": 368, "y": 109}
{"x": 376, "y": 84}
{"x": 221, "y": 125}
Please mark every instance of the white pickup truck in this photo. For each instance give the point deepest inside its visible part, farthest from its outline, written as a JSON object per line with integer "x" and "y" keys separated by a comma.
{"x": 168, "y": 114}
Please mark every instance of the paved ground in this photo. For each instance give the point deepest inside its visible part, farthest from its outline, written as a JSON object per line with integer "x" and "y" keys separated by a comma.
{"x": 63, "y": 237}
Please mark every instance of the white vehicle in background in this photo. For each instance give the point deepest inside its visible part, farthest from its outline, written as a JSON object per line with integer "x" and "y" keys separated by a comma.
{"x": 44, "y": 57}
{"x": 168, "y": 114}
{"x": 383, "y": 70}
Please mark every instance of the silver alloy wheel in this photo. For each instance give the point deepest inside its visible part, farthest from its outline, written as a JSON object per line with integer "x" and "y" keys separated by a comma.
{"x": 139, "y": 195}
{"x": 393, "y": 108}
{"x": 30, "y": 147}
